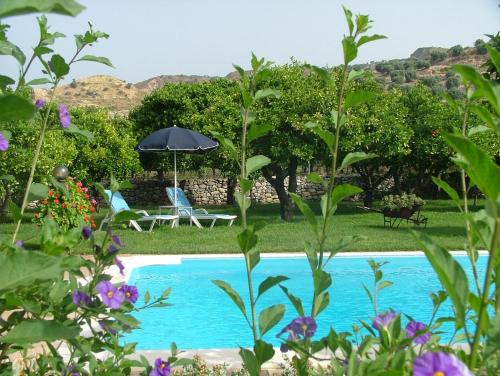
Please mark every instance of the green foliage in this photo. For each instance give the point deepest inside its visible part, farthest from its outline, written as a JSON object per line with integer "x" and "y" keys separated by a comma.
{"x": 438, "y": 56}
{"x": 480, "y": 46}
{"x": 410, "y": 75}
{"x": 398, "y": 76}
{"x": 395, "y": 202}
{"x": 456, "y": 50}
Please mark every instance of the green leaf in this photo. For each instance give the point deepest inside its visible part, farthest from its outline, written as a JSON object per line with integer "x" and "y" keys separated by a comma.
{"x": 384, "y": 284}
{"x": 125, "y": 216}
{"x": 17, "y": 8}
{"x": 32, "y": 331}
{"x": 312, "y": 255}
{"x": 7, "y": 48}
{"x": 242, "y": 201}
{"x": 322, "y": 280}
{"x": 256, "y": 163}
{"x": 233, "y": 295}
{"x": 325, "y": 135}
{"x": 492, "y": 122}
{"x": 354, "y": 74}
{"x": 315, "y": 178}
{"x": 351, "y": 158}
{"x": 21, "y": 268}
{"x": 450, "y": 273}
{"x": 228, "y": 145}
{"x": 38, "y": 191}
{"x": 482, "y": 170}
{"x": 306, "y": 210}
{"x": 370, "y": 38}
{"x": 350, "y": 49}
{"x": 270, "y": 282}
{"x": 264, "y": 93}
{"x": 321, "y": 302}
{"x": 125, "y": 319}
{"x": 73, "y": 129}
{"x": 258, "y": 130}
{"x": 247, "y": 239}
{"x": 14, "y": 107}
{"x": 341, "y": 192}
{"x": 250, "y": 362}
{"x": 492, "y": 337}
{"x": 494, "y": 56}
{"x": 357, "y": 97}
{"x": 39, "y": 81}
{"x": 450, "y": 191}
{"x": 269, "y": 317}
{"x": 478, "y": 129}
{"x": 245, "y": 184}
{"x": 147, "y": 297}
{"x": 296, "y": 302}
{"x": 348, "y": 18}
{"x": 324, "y": 74}
{"x": 263, "y": 351}
{"x": 97, "y": 59}
{"x": 14, "y": 210}
{"x": 58, "y": 66}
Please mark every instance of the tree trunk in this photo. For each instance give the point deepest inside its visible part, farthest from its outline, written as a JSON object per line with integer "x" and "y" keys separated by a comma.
{"x": 275, "y": 175}
{"x": 231, "y": 187}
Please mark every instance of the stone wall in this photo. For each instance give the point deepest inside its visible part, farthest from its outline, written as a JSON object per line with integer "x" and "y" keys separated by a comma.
{"x": 213, "y": 191}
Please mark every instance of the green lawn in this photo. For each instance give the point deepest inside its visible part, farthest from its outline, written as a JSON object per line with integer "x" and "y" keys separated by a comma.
{"x": 445, "y": 225}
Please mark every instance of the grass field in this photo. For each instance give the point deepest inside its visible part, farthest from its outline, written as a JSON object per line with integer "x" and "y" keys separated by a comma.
{"x": 445, "y": 225}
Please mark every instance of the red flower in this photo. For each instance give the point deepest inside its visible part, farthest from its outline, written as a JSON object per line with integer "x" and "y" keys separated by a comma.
{"x": 93, "y": 225}
{"x": 63, "y": 205}
{"x": 82, "y": 207}
{"x": 87, "y": 195}
{"x": 56, "y": 201}
{"x": 51, "y": 192}
{"x": 79, "y": 184}
{"x": 92, "y": 209}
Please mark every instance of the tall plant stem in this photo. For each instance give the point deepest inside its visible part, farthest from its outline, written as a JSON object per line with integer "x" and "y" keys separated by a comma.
{"x": 331, "y": 183}
{"x": 333, "y": 176}
{"x": 470, "y": 250}
{"x": 244, "y": 224}
{"x": 486, "y": 290}
{"x": 34, "y": 163}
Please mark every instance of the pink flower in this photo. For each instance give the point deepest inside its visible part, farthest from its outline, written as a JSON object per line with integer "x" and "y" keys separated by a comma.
{"x": 64, "y": 117}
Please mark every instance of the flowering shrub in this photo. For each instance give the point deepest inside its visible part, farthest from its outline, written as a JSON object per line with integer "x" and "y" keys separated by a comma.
{"x": 395, "y": 202}
{"x": 68, "y": 204}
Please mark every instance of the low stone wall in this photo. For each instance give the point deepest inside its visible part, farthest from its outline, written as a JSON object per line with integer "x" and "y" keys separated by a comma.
{"x": 213, "y": 191}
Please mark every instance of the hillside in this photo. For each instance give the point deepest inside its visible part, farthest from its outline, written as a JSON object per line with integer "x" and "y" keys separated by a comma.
{"x": 429, "y": 65}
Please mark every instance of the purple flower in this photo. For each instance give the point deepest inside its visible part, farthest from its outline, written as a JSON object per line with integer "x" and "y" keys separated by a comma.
{"x": 112, "y": 248}
{"x": 439, "y": 364}
{"x": 19, "y": 243}
{"x": 111, "y": 296}
{"x": 64, "y": 117}
{"x": 383, "y": 320}
{"x": 161, "y": 368}
{"x": 117, "y": 240}
{"x": 413, "y": 327}
{"x": 39, "y": 103}
{"x": 80, "y": 298}
{"x": 86, "y": 232}
{"x": 72, "y": 372}
{"x": 299, "y": 328}
{"x": 4, "y": 144}
{"x": 120, "y": 265}
{"x": 130, "y": 292}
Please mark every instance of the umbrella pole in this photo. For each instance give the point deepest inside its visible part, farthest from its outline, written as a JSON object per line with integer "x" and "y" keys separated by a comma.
{"x": 175, "y": 178}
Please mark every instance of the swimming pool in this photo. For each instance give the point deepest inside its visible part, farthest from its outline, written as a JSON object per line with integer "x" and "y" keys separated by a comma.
{"x": 203, "y": 317}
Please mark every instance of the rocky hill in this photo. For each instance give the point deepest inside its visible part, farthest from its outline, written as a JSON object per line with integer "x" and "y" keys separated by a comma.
{"x": 429, "y": 65}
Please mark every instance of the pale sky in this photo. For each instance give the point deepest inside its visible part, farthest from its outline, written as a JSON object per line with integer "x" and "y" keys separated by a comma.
{"x": 205, "y": 37}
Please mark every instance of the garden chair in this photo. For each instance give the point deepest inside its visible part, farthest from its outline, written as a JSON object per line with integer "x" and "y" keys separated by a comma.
{"x": 184, "y": 209}
{"x": 118, "y": 204}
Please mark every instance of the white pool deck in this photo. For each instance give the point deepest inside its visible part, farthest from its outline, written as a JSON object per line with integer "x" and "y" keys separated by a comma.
{"x": 230, "y": 357}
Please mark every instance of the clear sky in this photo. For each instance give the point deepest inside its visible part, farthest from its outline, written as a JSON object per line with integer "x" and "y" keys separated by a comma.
{"x": 205, "y": 37}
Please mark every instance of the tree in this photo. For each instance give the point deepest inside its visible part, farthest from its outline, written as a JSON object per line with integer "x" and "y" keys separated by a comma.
{"x": 437, "y": 56}
{"x": 398, "y": 76}
{"x": 456, "y": 50}
{"x": 377, "y": 127}
{"x": 205, "y": 107}
{"x": 111, "y": 149}
{"x": 303, "y": 98}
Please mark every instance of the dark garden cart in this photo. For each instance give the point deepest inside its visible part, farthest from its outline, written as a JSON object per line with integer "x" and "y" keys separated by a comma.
{"x": 393, "y": 218}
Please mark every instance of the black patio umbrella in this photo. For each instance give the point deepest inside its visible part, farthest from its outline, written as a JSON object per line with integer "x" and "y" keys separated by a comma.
{"x": 176, "y": 139}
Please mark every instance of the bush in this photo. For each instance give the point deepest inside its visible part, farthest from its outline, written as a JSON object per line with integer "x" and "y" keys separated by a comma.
{"x": 384, "y": 67}
{"x": 480, "y": 47}
{"x": 398, "y": 76}
{"x": 456, "y": 93}
{"x": 422, "y": 64}
{"x": 452, "y": 82}
{"x": 410, "y": 75}
{"x": 456, "y": 50}
{"x": 68, "y": 204}
{"x": 429, "y": 81}
{"x": 437, "y": 56}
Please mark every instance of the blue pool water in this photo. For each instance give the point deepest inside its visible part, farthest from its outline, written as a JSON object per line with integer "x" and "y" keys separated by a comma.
{"x": 202, "y": 316}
